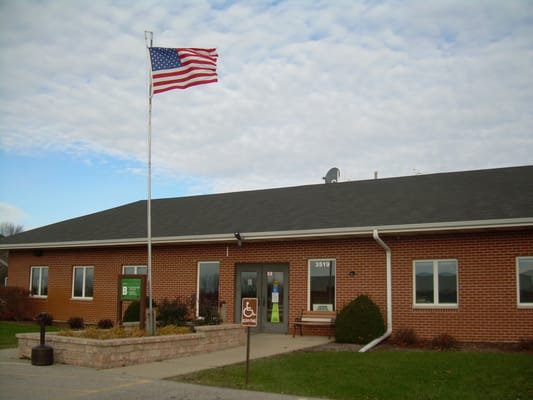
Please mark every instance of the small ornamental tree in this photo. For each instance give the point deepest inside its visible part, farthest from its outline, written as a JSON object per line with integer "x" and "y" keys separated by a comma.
{"x": 15, "y": 304}
{"x": 359, "y": 322}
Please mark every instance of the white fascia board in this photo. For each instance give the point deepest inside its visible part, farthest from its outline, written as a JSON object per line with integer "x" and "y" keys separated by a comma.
{"x": 287, "y": 235}
{"x": 390, "y": 229}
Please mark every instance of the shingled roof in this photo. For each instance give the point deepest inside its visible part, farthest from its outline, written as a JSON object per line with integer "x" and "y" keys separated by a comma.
{"x": 458, "y": 200}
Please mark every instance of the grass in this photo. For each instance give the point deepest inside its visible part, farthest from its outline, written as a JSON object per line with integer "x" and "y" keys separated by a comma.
{"x": 8, "y": 330}
{"x": 382, "y": 375}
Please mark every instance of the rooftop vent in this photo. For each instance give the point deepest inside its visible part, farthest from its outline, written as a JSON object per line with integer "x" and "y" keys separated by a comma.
{"x": 333, "y": 175}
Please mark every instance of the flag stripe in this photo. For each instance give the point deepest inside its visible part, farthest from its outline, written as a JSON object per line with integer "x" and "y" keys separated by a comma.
{"x": 171, "y": 80}
{"x": 184, "y": 86}
{"x": 182, "y": 68}
{"x": 181, "y": 71}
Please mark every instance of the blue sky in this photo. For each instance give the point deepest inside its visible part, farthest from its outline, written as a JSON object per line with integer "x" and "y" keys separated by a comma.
{"x": 400, "y": 87}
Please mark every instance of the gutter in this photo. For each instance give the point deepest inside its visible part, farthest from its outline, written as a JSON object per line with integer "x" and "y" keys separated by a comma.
{"x": 452, "y": 226}
{"x": 375, "y": 342}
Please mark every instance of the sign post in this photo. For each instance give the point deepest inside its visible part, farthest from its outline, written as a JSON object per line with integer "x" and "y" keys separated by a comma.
{"x": 132, "y": 288}
{"x": 249, "y": 320}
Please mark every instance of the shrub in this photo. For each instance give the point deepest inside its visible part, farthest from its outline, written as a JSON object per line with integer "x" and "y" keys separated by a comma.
{"x": 15, "y": 304}
{"x": 444, "y": 342}
{"x": 119, "y": 333}
{"x": 76, "y": 323}
{"x": 105, "y": 324}
{"x": 173, "y": 330}
{"x": 405, "y": 337}
{"x": 48, "y": 318}
{"x": 175, "y": 312}
{"x": 133, "y": 312}
{"x": 359, "y": 322}
{"x": 104, "y": 334}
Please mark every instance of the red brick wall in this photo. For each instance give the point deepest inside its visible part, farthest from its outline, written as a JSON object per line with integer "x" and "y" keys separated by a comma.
{"x": 487, "y": 308}
{"x": 487, "y": 297}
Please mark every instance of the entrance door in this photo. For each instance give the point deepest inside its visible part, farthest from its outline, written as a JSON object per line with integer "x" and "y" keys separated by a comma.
{"x": 270, "y": 284}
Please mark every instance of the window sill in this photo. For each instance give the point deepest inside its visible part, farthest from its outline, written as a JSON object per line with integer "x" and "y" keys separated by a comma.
{"x": 525, "y": 306}
{"x": 435, "y": 307}
{"x": 82, "y": 298}
{"x": 38, "y": 297}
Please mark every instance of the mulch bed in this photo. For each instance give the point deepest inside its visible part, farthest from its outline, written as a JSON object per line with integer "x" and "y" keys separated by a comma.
{"x": 466, "y": 347}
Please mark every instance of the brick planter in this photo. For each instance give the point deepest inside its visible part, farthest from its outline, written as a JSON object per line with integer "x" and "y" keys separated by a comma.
{"x": 128, "y": 351}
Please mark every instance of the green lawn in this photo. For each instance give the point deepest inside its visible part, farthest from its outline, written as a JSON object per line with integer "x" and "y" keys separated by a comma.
{"x": 8, "y": 330}
{"x": 383, "y": 375}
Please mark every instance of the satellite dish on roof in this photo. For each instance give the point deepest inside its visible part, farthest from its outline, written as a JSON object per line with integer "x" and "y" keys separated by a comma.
{"x": 333, "y": 175}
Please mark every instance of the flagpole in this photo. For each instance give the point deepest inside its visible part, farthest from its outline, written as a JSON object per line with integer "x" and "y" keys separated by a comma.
{"x": 148, "y": 38}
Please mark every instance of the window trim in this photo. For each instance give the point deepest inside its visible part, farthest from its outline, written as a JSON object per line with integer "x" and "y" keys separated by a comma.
{"x": 309, "y": 281}
{"x": 518, "y": 303}
{"x": 436, "y": 304}
{"x": 83, "y": 297}
{"x": 136, "y": 267}
{"x": 197, "y": 313}
{"x": 38, "y": 296}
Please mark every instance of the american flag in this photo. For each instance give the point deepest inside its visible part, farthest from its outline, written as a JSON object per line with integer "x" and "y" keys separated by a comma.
{"x": 182, "y": 68}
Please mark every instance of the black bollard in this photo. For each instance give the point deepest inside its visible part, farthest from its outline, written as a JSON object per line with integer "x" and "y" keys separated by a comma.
{"x": 42, "y": 354}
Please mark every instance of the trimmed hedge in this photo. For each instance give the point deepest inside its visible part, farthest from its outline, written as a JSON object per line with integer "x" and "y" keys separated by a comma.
{"x": 359, "y": 322}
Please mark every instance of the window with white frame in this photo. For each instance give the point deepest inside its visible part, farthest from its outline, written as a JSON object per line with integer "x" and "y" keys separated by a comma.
{"x": 435, "y": 282}
{"x": 134, "y": 270}
{"x": 208, "y": 279}
{"x": 82, "y": 282}
{"x": 39, "y": 281}
{"x": 322, "y": 285}
{"x": 524, "y": 272}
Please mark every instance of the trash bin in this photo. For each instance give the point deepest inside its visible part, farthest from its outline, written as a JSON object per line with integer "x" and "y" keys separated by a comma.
{"x": 42, "y": 354}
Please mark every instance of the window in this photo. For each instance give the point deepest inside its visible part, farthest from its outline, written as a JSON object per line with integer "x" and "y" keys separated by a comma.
{"x": 524, "y": 270}
{"x": 82, "y": 282}
{"x": 322, "y": 285}
{"x": 208, "y": 277}
{"x": 39, "y": 281}
{"x": 134, "y": 270}
{"x": 435, "y": 282}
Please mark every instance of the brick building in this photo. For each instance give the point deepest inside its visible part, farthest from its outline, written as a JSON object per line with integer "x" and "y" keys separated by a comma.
{"x": 440, "y": 253}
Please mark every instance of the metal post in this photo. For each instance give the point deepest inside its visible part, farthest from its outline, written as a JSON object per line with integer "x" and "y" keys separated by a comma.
{"x": 148, "y": 37}
{"x": 247, "y": 356}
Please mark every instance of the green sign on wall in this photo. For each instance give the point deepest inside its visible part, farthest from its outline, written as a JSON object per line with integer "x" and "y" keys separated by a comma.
{"x": 131, "y": 288}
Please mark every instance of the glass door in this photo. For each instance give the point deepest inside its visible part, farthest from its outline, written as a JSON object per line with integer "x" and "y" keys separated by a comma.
{"x": 269, "y": 283}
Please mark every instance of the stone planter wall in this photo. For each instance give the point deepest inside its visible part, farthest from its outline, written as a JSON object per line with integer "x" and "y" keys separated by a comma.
{"x": 121, "y": 352}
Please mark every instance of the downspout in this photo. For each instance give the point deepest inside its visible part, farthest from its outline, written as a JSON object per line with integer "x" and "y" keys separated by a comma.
{"x": 375, "y": 342}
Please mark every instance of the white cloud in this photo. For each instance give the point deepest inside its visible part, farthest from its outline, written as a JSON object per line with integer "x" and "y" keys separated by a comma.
{"x": 361, "y": 86}
{"x": 11, "y": 214}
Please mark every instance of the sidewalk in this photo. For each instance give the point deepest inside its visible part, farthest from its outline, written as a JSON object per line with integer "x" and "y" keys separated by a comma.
{"x": 261, "y": 345}
{"x": 20, "y": 379}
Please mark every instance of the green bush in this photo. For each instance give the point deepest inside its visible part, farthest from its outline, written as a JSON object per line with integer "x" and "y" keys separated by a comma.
{"x": 359, "y": 322}
{"x": 133, "y": 312}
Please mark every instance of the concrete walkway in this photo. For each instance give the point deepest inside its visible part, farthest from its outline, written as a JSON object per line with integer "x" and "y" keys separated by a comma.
{"x": 19, "y": 379}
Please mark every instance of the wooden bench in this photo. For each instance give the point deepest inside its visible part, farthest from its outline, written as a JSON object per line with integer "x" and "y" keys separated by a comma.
{"x": 315, "y": 318}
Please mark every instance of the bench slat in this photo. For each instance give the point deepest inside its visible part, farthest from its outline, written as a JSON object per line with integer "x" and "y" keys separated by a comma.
{"x": 317, "y": 318}
{"x": 309, "y": 319}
